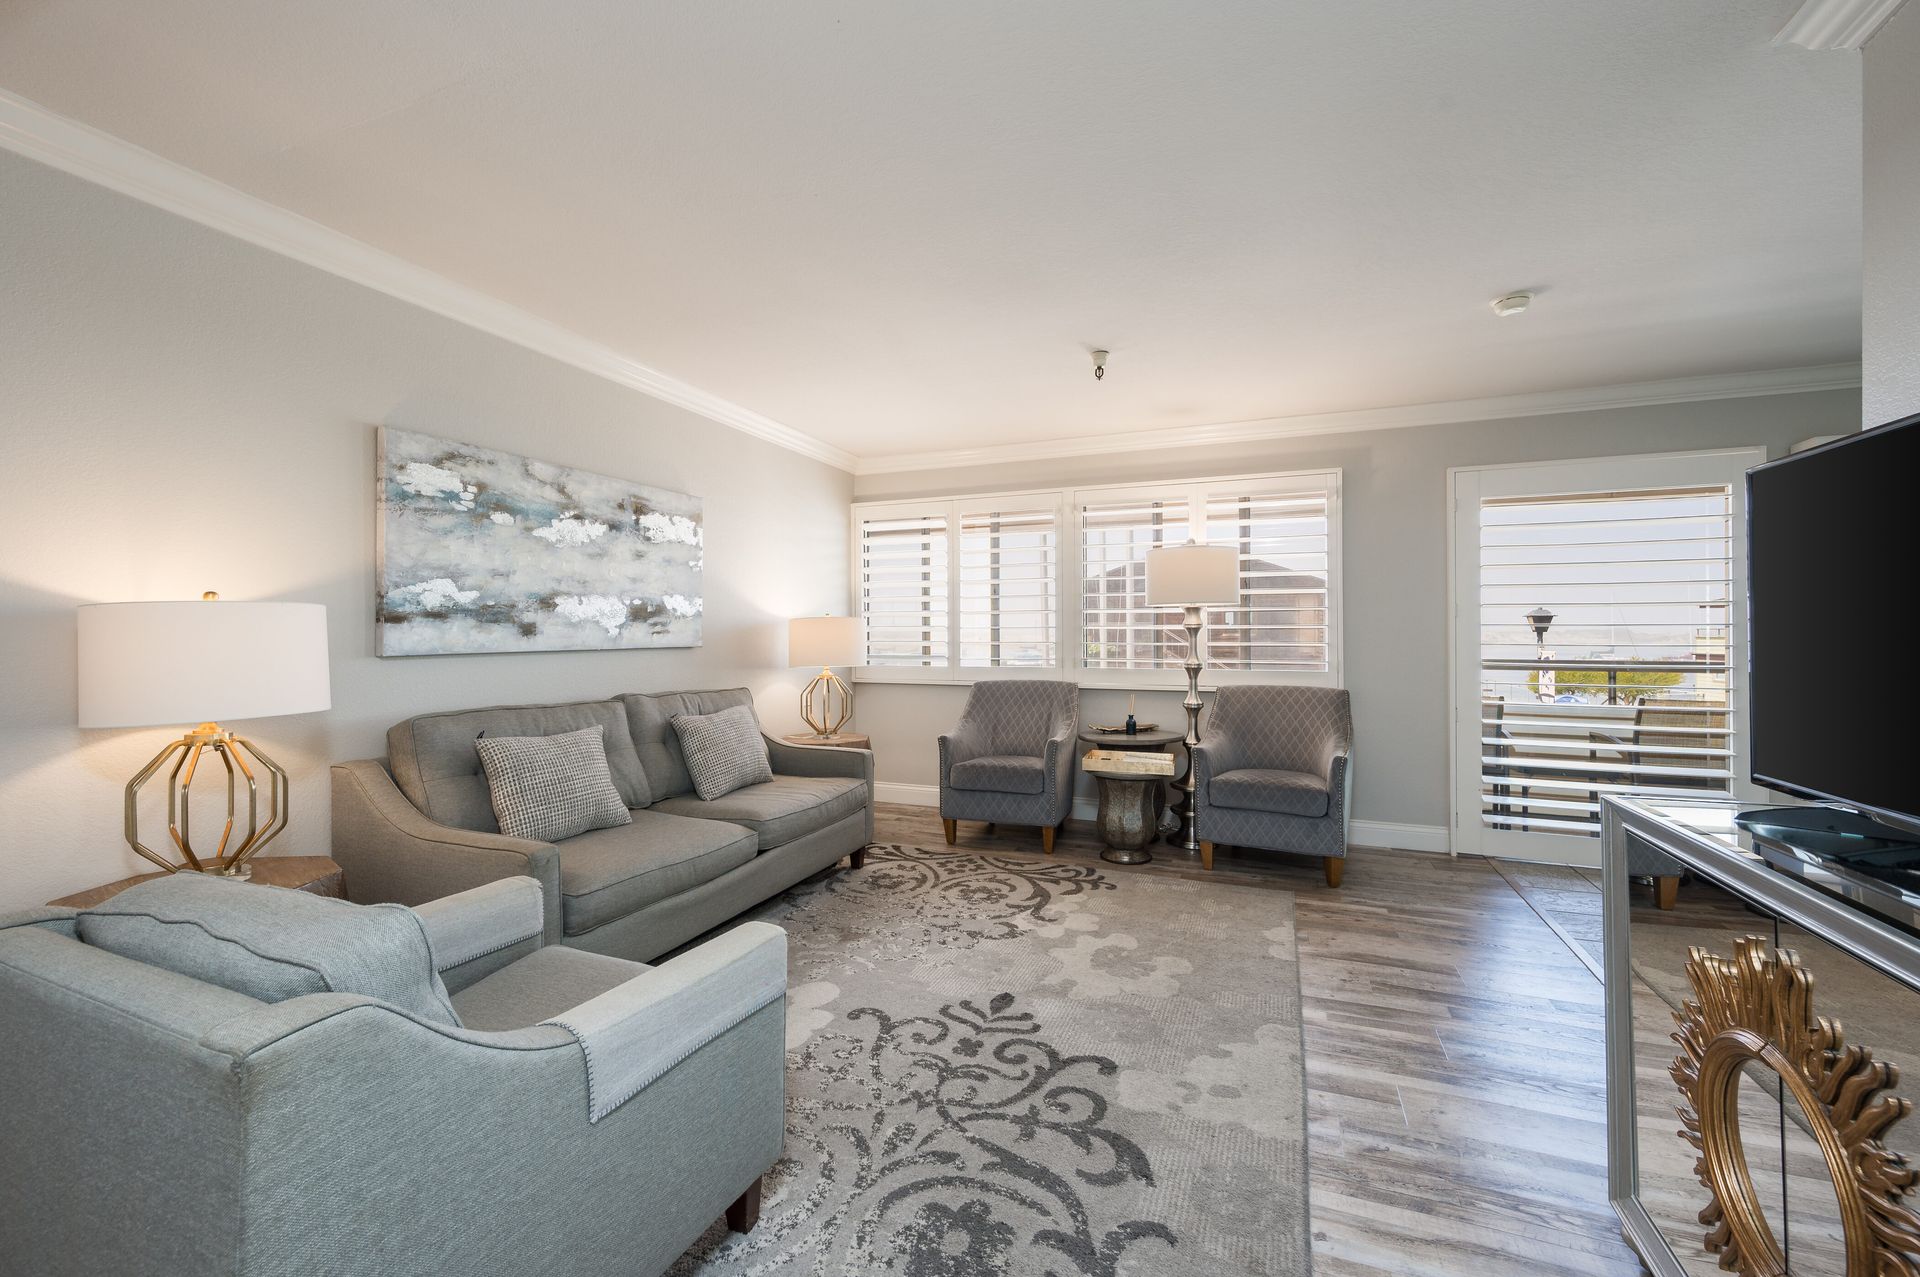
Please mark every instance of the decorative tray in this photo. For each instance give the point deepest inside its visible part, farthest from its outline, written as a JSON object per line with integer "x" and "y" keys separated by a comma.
{"x": 1121, "y": 730}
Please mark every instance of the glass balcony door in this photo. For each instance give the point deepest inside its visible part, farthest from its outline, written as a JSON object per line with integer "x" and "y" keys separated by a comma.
{"x": 1598, "y": 643}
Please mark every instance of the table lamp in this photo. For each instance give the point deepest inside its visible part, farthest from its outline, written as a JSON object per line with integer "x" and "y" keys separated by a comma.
{"x": 1193, "y": 577}
{"x": 826, "y": 641}
{"x": 147, "y": 664}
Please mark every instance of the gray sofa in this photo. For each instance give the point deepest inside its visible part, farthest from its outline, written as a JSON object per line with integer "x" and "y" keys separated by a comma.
{"x": 1275, "y": 772}
{"x": 281, "y": 1084}
{"x": 420, "y": 825}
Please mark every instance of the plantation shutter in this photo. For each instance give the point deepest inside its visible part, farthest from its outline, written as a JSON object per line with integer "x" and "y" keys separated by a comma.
{"x": 1632, "y": 690}
{"x": 1281, "y": 621}
{"x": 1119, "y": 631}
{"x": 903, "y": 590}
{"x": 1009, "y": 589}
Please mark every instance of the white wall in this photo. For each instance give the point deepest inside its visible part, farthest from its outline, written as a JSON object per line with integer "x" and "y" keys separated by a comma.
{"x": 180, "y": 412}
{"x": 1890, "y": 320}
{"x": 1395, "y": 525}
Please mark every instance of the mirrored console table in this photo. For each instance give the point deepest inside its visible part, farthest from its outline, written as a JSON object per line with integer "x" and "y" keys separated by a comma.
{"x": 1756, "y": 1036}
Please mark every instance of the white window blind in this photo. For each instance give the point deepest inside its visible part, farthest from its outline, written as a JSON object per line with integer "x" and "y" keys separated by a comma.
{"x": 1631, "y": 689}
{"x": 1118, "y": 630}
{"x": 1281, "y": 621}
{"x": 904, "y": 590}
{"x": 1009, "y": 588}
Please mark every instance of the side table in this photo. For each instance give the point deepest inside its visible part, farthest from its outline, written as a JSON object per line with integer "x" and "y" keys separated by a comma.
{"x": 318, "y": 875}
{"x": 1129, "y": 816}
{"x": 1156, "y": 741}
{"x": 845, "y": 740}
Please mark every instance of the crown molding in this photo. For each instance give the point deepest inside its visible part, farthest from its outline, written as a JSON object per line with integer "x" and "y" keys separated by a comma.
{"x": 1779, "y": 381}
{"x": 1836, "y": 24}
{"x": 29, "y": 129}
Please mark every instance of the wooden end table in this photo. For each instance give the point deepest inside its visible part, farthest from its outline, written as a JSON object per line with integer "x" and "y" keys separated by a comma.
{"x": 318, "y": 875}
{"x": 845, "y": 740}
{"x": 1129, "y": 816}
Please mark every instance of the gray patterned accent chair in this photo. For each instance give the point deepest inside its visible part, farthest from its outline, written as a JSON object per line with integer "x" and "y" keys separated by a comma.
{"x": 1274, "y": 772}
{"x": 231, "y": 1080}
{"x": 1010, "y": 759}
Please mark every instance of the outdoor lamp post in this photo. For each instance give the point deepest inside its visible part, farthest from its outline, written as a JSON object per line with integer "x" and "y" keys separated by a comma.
{"x": 1541, "y": 620}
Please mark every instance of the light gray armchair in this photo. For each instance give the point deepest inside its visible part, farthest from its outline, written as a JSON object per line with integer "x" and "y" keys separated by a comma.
{"x": 1275, "y": 772}
{"x": 1010, "y": 759}
{"x": 216, "y": 1078}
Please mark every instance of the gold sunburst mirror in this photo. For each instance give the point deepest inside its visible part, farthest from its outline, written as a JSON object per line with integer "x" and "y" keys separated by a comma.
{"x": 1756, "y": 1009}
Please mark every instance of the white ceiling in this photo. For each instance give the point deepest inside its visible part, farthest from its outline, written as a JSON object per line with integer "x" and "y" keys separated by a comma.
{"x": 899, "y": 226}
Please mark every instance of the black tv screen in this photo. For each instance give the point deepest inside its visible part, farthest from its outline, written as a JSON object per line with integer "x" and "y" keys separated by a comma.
{"x": 1831, "y": 563}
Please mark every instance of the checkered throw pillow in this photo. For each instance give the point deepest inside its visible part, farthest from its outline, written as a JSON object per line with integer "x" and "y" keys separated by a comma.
{"x": 552, "y": 787}
{"x": 723, "y": 751}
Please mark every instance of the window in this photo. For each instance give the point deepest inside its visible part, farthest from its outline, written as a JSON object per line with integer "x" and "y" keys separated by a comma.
{"x": 1022, "y": 570}
{"x": 1009, "y": 588}
{"x": 903, "y": 590}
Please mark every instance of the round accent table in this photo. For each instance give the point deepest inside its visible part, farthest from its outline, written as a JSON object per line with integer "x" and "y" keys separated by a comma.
{"x": 1158, "y": 741}
{"x": 317, "y": 875}
{"x": 845, "y": 740}
{"x": 1129, "y": 816}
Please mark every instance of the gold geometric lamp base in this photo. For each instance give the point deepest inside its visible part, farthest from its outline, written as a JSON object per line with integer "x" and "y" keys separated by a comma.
{"x": 149, "y": 664}
{"x": 233, "y": 753}
{"x": 826, "y": 641}
{"x": 826, "y": 704}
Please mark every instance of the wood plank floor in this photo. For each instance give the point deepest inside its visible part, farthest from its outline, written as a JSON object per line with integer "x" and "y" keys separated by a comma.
{"x": 1454, "y": 1066}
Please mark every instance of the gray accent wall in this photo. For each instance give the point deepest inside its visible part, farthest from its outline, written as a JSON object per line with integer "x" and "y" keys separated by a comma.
{"x": 1890, "y": 278}
{"x": 181, "y": 411}
{"x": 1395, "y": 567}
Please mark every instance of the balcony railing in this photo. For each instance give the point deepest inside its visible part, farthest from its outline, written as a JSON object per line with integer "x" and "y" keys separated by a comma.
{"x": 1545, "y": 765}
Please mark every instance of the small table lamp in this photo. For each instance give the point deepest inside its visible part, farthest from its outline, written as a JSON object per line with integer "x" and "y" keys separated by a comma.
{"x": 1193, "y": 577}
{"x": 825, "y": 641}
{"x": 147, "y": 664}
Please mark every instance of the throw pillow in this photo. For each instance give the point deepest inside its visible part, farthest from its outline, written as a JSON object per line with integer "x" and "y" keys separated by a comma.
{"x": 723, "y": 751}
{"x": 548, "y": 788}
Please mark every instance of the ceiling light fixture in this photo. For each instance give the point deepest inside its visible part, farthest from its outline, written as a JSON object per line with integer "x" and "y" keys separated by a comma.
{"x": 1512, "y": 304}
{"x": 1099, "y": 364}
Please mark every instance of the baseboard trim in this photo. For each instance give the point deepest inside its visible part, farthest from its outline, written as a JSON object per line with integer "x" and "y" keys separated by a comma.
{"x": 1362, "y": 833}
{"x": 1388, "y": 833}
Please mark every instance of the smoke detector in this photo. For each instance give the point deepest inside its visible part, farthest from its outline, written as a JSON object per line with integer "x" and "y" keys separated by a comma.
{"x": 1512, "y": 304}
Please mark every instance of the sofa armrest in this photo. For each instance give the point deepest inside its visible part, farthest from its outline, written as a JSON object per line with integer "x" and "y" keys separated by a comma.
{"x": 819, "y": 760}
{"x": 1057, "y": 763}
{"x": 1211, "y": 758}
{"x": 958, "y": 746}
{"x": 483, "y": 920}
{"x": 391, "y": 851}
{"x": 633, "y": 1033}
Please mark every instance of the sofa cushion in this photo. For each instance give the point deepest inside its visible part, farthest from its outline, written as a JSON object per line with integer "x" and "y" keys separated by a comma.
{"x": 650, "y": 724}
{"x": 271, "y": 943}
{"x": 1264, "y": 789}
{"x": 551, "y": 787}
{"x": 610, "y": 873}
{"x": 435, "y": 764}
{"x": 723, "y": 750}
{"x": 999, "y": 774}
{"x": 780, "y": 810}
{"x": 541, "y": 985}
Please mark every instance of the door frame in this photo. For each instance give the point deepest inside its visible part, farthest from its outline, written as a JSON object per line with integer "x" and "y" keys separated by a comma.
{"x": 1466, "y": 834}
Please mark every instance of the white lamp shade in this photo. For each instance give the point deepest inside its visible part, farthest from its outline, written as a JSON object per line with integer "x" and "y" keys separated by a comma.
{"x": 823, "y": 641}
{"x": 146, "y": 664}
{"x": 1192, "y": 574}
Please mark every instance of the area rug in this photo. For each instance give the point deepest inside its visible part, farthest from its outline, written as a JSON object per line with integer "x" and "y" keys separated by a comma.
{"x": 1021, "y": 1066}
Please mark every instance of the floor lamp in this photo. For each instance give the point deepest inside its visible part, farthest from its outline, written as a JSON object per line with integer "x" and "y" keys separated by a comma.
{"x": 1193, "y": 577}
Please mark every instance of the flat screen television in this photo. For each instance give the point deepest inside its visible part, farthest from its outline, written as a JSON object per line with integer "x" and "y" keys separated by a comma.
{"x": 1832, "y": 565}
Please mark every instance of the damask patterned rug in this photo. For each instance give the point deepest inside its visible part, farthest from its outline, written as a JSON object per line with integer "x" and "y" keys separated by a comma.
{"x": 1009, "y": 1065}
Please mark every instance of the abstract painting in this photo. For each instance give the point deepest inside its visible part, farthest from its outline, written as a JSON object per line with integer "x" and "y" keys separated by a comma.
{"x": 485, "y": 551}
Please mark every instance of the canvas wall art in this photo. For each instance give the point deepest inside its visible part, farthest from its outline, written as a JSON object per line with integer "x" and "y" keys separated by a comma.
{"x": 485, "y": 551}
